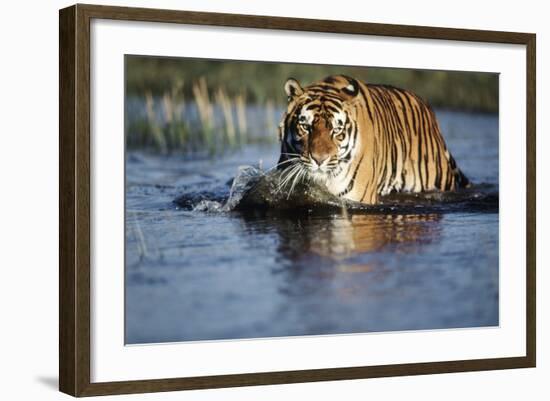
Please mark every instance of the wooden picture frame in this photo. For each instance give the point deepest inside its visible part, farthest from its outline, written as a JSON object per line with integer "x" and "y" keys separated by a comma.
{"x": 74, "y": 200}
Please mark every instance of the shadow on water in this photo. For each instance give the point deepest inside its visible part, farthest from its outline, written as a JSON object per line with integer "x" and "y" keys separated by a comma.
{"x": 331, "y": 265}
{"x": 340, "y": 236}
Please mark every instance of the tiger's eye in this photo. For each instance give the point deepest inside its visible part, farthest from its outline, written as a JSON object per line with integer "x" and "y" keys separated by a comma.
{"x": 340, "y": 136}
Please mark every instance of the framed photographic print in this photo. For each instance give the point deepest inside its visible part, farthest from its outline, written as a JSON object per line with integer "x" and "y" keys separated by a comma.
{"x": 250, "y": 200}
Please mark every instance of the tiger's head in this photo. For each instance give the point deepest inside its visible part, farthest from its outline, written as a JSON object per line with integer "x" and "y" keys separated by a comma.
{"x": 318, "y": 132}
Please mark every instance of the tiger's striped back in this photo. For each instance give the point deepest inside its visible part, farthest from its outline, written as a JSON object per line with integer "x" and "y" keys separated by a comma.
{"x": 413, "y": 156}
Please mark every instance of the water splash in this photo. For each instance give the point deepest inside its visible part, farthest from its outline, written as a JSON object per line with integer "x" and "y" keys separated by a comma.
{"x": 245, "y": 179}
{"x": 208, "y": 206}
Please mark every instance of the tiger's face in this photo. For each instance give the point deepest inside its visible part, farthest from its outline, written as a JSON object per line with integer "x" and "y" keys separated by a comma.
{"x": 317, "y": 131}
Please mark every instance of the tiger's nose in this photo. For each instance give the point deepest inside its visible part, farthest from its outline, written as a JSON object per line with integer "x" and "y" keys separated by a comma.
{"x": 318, "y": 158}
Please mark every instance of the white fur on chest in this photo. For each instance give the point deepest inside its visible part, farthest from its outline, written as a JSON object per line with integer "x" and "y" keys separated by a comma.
{"x": 338, "y": 184}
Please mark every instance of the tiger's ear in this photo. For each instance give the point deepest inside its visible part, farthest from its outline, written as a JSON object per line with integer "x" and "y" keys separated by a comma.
{"x": 352, "y": 89}
{"x": 292, "y": 88}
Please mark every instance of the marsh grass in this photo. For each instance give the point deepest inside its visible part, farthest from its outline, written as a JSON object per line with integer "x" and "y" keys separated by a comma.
{"x": 227, "y": 110}
{"x": 211, "y": 122}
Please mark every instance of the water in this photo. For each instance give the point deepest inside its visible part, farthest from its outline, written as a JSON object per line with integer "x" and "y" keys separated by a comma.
{"x": 197, "y": 271}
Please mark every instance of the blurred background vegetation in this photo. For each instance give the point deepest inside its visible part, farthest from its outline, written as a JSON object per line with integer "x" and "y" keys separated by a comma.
{"x": 207, "y": 106}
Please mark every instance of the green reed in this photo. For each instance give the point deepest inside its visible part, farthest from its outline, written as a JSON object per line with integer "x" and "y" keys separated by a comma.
{"x": 208, "y": 123}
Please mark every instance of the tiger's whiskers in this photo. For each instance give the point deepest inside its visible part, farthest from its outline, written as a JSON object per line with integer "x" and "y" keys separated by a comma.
{"x": 285, "y": 178}
{"x": 297, "y": 178}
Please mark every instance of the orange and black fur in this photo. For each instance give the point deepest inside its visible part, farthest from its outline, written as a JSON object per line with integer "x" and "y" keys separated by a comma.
{"x": 363, "y": 140}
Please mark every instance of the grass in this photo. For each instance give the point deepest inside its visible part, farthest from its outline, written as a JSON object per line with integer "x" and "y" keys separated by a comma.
{"x": 211, "y": 122}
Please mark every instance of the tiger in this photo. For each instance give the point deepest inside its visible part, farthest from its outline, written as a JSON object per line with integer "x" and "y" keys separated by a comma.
{"x": 363, "y": 141}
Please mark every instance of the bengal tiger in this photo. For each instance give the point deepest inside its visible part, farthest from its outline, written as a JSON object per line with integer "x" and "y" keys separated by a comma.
{"x": 363, "y": 140}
